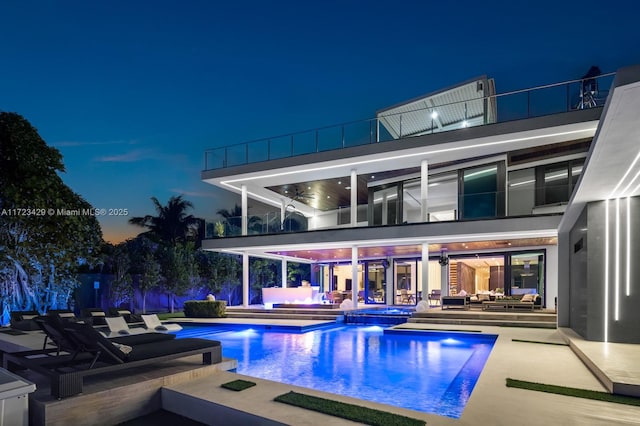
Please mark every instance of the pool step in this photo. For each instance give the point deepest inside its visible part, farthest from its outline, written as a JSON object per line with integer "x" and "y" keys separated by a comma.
{"x": 504, "y": 322}
{"x": 278, "y": 315}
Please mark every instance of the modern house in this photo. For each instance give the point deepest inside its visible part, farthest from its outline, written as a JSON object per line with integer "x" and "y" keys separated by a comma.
{"x": 532, "y": 191}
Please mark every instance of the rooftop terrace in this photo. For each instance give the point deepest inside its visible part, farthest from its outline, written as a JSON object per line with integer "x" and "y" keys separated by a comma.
{"x": 472, "y": 103}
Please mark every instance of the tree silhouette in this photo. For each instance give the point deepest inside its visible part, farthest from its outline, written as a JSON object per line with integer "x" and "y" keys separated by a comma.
{"x": 172, "y": 224}
{"x": 233, "y": 221}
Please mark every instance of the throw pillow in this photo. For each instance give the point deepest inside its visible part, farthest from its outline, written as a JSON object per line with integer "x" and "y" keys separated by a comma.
{"x": 124, "y": 348}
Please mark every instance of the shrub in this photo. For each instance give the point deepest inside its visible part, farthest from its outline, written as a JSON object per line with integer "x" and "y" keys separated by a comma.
{"x": 205, "y": 309}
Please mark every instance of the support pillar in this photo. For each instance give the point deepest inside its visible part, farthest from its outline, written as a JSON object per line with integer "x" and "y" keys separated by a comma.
{"x": 425, "y": 271}
{"x": 244, "y": 210}
{"x": 284, "y": 273}
{"x": 424, "y": 189}
{"x": 354, "y": 276}
{"x": 354, "y": 198}
{"x": 245, "y": 279}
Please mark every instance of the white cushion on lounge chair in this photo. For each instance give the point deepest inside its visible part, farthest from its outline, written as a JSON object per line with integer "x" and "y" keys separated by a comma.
{"x": 119, "y": 327}
{"x": 152, "y": 322}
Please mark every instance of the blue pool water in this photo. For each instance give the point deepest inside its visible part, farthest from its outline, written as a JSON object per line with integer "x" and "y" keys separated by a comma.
{"x": 433, "y": 372}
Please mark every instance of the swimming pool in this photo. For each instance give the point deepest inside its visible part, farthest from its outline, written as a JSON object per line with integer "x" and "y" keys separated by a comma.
{"x": 434, "y": 372}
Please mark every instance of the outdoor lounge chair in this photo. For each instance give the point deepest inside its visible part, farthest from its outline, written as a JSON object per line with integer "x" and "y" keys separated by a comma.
{"x": 94, "y": 316}
{"x": 23, "y": 320}
{"x": 119, "y": 327}
{"x": 94, "y": 354}
{"x": 129, "y": 317}
{"x": 152, "y": 322}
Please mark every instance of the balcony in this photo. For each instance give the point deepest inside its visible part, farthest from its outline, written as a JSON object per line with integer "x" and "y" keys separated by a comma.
{"x": 409, "y": 120}
{"x": 519, "y": 200}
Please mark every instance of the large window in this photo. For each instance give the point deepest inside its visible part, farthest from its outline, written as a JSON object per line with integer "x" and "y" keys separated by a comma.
{"x": 385, "y": 204}
{"x": 481, "y": 192}
{"x": 555, "y": 182}
{"x": 527, "y": 273}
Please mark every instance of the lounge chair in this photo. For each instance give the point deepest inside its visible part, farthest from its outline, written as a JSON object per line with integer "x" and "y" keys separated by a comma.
{"x": 95, "y": 354}
{"x": 119, "y": 327}
{"x": 152, "y": 322}
{"x": 23, "y": 320}
{"x": 94, "y": 316}
{"x": 129, "y": 317}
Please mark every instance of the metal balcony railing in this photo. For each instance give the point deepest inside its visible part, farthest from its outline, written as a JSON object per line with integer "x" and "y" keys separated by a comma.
{"x": 520, "y": 104}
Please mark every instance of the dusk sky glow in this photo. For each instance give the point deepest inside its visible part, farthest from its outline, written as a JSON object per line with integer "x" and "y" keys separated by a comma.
{"x": 132, "y": 93}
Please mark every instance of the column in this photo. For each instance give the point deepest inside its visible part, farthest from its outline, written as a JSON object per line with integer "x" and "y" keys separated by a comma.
{"x": 425, "y": 271}
{"x": 424, "y": 189}
{"x": 284, "y": 273}
{"x": 354, "y": 198}
{"x": 444, "y": 278}
{"x": 283, "y": 212}
{"x": 245, "y": 279}
{"x": 390, "y": 295}
{"x": 385, "y": 208}
{"x": 244, "y": 210}
{"x": 354, "y": 276}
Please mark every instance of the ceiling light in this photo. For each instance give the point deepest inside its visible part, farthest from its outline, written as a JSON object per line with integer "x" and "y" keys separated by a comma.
{"x": 434, "y": 114}
{"x": 347, "y": 187}
{"x": 465, "y": 123}
{"x": 286, "y": 192}
{"x": 339, "y": 182}
{"x": 373, "y": 176}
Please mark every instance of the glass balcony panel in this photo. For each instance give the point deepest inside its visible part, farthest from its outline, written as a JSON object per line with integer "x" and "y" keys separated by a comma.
{"x": 214, "y": 159}
{"x": 549, "y": 100}
{"x": 330, "y": 138}
{"x": 257, "y": 151}
{"x": 512, "y": 107}
{"x": 359, "y": 133}
{"x": 522, "y": 187}
{"x": 304, "y": 143}
{"x": 280, "y": 147}
{"x": 236, "y": 155}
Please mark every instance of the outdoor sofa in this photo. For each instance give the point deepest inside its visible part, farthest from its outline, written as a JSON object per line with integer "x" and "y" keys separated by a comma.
{"x": 85, "y": 352}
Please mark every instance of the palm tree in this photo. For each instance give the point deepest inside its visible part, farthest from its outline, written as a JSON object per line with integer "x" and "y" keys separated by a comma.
{"x": 172, "y": 224}
{"x": 233, "y": 220}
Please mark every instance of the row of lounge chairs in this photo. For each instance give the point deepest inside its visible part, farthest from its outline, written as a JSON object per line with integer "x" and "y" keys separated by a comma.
{"x": 73, "y": 350}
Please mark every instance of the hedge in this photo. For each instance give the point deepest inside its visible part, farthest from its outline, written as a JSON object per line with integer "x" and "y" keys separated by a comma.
{"x": 205, "y": 309}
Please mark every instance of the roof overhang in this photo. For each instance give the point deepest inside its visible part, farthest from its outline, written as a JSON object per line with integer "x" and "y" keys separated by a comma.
{"x": 436, "y": 148}
{"x": 389, "y": 239}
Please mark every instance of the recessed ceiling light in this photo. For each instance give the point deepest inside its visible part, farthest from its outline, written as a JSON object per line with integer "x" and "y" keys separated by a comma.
{"x": 373, "y": 176}
{"x": 339, "y": 182}
{"x": 308, "y": 187}
{"x": 347, "y": 187}
{"x": 328, "y": 196}
{"x": 286, "y": 192}
{"x": 434, "y": 114}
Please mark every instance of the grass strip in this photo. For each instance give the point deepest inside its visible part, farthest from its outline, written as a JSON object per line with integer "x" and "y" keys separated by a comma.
{"x": 238, "y": 385}
{"x": 440, "y": 329}
{"x": 578, "y": 393}
{"x": 343, "y": 410}
{"x": 541, "y": 342}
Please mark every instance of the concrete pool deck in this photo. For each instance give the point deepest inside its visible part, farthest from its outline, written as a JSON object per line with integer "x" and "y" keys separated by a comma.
{"x": 491, "y": 402}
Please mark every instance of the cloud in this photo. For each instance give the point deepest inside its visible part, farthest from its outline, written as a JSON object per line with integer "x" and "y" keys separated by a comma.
{"x": 65, "y": 144}
{"x": 127, "y": 157}
{"x": 194, "y": 193}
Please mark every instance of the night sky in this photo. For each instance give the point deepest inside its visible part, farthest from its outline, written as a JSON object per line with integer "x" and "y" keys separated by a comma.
{"x": 133, "y": 92}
